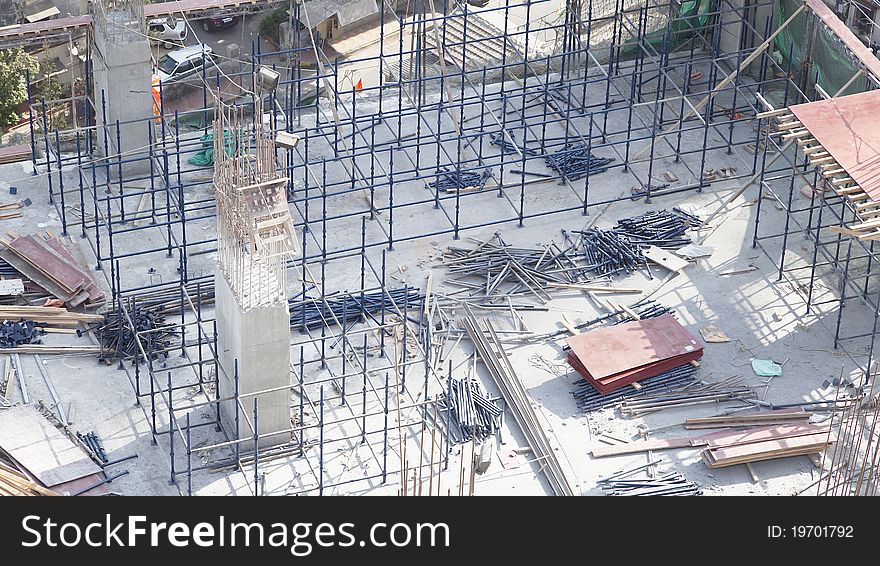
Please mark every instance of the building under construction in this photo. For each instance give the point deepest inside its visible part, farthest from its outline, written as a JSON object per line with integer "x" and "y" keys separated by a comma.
{"x": 517, "y": 248}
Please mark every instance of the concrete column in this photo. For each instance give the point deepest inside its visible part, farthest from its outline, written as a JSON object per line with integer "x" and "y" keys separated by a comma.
{"x": 123, "y": 72}
{"x": 259, "y": 339}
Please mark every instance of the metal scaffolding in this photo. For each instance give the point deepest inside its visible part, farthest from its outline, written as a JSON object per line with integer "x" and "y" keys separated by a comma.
{"x": 462, "y": 93}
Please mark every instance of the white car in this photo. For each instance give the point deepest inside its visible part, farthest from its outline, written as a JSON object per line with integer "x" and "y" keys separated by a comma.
{"x": 182, "y": 63}
{"x": 166, "y": 30}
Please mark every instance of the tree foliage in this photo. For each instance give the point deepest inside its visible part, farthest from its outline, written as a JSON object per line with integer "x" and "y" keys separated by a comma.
{"x": 13, "y": 87}
{"x": 270, "y": 25}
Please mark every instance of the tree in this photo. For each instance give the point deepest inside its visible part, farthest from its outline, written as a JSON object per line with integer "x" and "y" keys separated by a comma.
{"x": 13, "y": 89}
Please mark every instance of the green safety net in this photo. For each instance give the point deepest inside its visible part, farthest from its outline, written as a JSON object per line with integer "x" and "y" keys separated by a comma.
{"x": 205, "y": 157}
{"x": 692, "y": 16}
{"x": 832, "y": 64}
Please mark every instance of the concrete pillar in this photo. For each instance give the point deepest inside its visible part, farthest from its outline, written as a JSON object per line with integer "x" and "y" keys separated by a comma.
{"x": 732, "y": 26}
{"x": 259, "y": 338}
{"x": 123, "y": 71}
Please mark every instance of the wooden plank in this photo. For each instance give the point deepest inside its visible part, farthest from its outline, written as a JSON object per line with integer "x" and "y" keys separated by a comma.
{"x": 47, "y": 262}
{"x": 45, "y": 349}
{"x": 645, "y": 445}
{"x": 32, "y": 273}
{"x": 42, "y": 449}
{"x": 95, "y": 293}
{"x": 665, "y": 259}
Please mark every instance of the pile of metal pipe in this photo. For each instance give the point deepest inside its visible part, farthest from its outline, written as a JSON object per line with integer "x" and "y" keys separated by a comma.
{"x": 93, "y": 443}
{"x": 498, "y": 139}
{"x": 575, "y": 161}
{"x": 316, "y": 312}
{"x": 119, "y": 341}
{"x": 471, "y": 413}
{"x": 698, "y": 393}
{"x": 167, "y": 300}
{"x": 588, "y": 399}
{"x": 659, "y": 228}
{"x": 670, "y": 483}
{"x": 608, "y": 252}
{"x": 517, "y": 400}
{"x": 451, "y": 181}
{"x": 496, "y": 270}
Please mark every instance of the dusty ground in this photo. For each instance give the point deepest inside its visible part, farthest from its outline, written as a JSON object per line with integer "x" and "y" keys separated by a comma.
{"x": 764, "y": 317}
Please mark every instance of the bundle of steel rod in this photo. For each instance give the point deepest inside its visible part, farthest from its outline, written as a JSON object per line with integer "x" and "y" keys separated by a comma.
{"x": 852, "y": 464}
{"x": 451, "y": 181}
{"x": 731, "y": 389}
{"x": 93, "y": 443}
{"x": 471, "y": 413}
{"x": 659, "y": 228}
{"x": 315, "y": 312}
{"x": 670, "y": 483}
{"x": 588, "y": 399}
{"x": 608, "y": 252}
{"x": 575, "y": 161}
{"x": 646, "y": 308}
{"x": 517, "y": 400}
{"x": 167, "y": 300}
{"x": 119, "y": 341}
{"x": 497, "y": 270}
{"x": 500, "y": 140}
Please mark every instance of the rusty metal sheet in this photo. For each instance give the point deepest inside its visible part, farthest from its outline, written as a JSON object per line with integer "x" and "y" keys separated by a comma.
{"x": 846, "y": 127}
{"x": 615, "y": 349}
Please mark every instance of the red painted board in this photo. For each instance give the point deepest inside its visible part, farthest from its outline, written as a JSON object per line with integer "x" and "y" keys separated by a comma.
{"x": 611, "y": 350}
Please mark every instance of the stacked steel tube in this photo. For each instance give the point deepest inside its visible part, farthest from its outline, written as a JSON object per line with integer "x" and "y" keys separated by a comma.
{"x": 731, "y": 389}
{"x": 471, "y": 413}
{"x": 451, "y": 181}
{"x": 314, "y": 313}
{"x": 608, "y": 252}
{"x": 91, "y": 440}
{"x": 670, "y": 483}
{"x": 588, "y": 399}
{"x": 659, "y": 228}
{"x": 576, "y": 161}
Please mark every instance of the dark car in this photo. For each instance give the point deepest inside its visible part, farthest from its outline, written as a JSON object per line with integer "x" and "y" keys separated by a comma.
{"x": 218, "y": 22}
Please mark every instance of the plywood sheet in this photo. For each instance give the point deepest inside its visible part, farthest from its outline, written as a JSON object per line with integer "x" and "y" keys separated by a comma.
{"x": 608, "y": 351}
{"x": 41, "y": 448}
{"x": 847, "y": 128}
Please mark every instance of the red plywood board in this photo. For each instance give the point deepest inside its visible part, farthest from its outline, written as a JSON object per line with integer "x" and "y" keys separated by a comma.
{"x": 47, "y": 261}
{"x": 846, "y": 127}
{"x": 608, "y": 351}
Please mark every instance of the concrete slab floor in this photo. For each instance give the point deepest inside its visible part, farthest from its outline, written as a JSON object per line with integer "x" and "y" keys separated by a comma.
{"x": 763, "y": 317}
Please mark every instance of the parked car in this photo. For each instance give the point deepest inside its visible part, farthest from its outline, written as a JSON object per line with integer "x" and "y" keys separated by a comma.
{"x": 167, "y": 31}
{"x": 182, "y": 63}
{"x": 219, "y": 21}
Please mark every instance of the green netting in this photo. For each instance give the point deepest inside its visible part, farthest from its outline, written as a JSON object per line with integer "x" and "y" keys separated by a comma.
{"x": 205, "y": 157}
{"x": 692, "y": 15}
{"x": 832, "y": 64}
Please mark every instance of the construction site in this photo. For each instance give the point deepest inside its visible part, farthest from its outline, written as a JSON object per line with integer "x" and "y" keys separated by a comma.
{"x": 580, "y": 247}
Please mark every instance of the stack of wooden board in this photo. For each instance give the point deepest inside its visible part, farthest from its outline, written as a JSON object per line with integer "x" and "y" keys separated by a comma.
{"x": 756, "y": 444}
{"x": 777, "y": 417}
{"x": 613, "y": 357}
{"x": 40, "y": 458}
{"x": 737, "y": 446}
{"x": 14, "y": 153}
{"x": 46, "y": 261}
{"x": 50, "y": 320}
